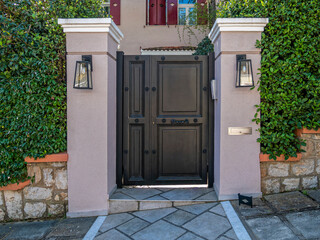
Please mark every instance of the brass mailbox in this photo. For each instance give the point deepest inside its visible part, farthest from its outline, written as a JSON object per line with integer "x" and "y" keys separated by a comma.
{"x": 239, "y": 131}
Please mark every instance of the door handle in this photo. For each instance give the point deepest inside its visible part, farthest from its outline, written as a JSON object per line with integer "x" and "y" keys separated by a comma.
{"x": 173, "y": 121}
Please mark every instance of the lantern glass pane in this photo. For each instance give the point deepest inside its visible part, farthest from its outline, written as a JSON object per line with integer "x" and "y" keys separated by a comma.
{"x": 81, "y": 80}
{"x": 245, "y": 73}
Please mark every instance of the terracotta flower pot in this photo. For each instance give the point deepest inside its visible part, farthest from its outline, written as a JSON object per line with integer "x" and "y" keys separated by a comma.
{"x": 298, "y": 132}
{"x": 265, "y": 158}
{"x": 59, "y": 157}
{"x": 15, "y": 186}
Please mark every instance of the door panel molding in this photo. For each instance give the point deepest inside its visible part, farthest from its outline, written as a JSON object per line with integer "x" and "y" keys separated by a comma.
{"x": 136, "y": 119}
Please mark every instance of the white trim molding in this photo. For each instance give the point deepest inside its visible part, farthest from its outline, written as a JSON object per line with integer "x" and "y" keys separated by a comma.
{"x": 235, "y": 221}
{"x": 91, "y": 25}
{"x": 166, "y": 52}
{"x": 237, "y": 25}
{"x": 91, "y": 234}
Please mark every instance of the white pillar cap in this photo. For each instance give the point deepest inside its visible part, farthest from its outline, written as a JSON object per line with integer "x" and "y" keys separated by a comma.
{"x": 91, "y": 25}
{"x": 237, "y": 25}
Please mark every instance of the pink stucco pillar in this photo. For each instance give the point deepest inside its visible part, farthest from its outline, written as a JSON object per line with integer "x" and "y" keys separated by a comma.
{"x": 91, "y": 116}
{"x": 236, "y": 157}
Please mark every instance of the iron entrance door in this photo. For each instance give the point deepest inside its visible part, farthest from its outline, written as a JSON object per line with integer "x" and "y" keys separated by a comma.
{"x": 165, "y": 119}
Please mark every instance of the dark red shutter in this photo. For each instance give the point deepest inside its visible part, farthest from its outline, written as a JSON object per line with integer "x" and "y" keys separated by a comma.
{"x": 152, "y": 12}
{"x": 115, "y": 11}
{"x": 202, "y": 13}
{"x": 161, "y": 12}
{"x": 172, "y": 9}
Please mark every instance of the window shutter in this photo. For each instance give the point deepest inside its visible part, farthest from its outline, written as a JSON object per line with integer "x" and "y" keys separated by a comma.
{"x": 161, "y": 12}
{"x": 152, "y": 12}
{"x": 172, "y": 9}
{"x": 115, "y": 11}
{"x": 202, "y": 12}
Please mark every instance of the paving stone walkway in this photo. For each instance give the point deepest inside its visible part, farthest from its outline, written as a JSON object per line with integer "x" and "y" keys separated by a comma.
{"x": 284, "y": 216}
{"x": 197, "y": 221}
{"x": 60, "y": 229}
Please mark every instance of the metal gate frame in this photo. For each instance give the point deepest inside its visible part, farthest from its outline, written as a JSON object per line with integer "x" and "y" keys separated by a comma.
{"x": 119, "y": 140}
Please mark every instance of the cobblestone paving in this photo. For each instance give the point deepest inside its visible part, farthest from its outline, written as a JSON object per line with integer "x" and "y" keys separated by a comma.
{"x": 198, "y": 221}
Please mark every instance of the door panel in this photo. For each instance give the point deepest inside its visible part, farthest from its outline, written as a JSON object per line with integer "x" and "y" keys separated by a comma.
{"x": 165, "y": 119}
{"x": 137, "y": 85}
{"x": 179, "y": 146}
{"x": 179, "y": 117}
{"x": 136, "y": 120}
{"x": 179, "y": 87}
{"x": 136, "y": 158}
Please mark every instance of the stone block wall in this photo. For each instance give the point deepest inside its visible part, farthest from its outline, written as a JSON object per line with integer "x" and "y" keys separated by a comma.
{"x": 285, "y": 176}
{"x": 45, "y": 196}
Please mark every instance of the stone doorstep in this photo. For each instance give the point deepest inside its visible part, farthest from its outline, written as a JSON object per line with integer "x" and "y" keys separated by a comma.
{"x": 132, "y": 205}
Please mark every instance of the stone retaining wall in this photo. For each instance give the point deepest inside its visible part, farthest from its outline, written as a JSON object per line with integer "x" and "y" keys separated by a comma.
{"x": 46, "y": 196}
{"x": 289, "y": 176}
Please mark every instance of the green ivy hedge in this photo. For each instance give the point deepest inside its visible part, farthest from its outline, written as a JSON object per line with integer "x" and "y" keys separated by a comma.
{"x": 290, "y": 69}
{"x": 32, "y": 80}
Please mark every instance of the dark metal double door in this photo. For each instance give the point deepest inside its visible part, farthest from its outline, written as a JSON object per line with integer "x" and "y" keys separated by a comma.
{"x": 165, "y": 119}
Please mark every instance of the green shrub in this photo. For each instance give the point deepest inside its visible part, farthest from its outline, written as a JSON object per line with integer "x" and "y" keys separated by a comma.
{"x": 32, "y": 80}
{"x": 290, "y": 69}
{"x": 204, "y": 47}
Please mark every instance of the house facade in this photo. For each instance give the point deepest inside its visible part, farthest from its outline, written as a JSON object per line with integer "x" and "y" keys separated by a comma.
{"x": 152, "y": 23}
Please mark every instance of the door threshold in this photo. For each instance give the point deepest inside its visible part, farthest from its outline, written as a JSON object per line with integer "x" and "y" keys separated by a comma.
{"x": 167, "y": 186}
{"x": 137, "y": 198}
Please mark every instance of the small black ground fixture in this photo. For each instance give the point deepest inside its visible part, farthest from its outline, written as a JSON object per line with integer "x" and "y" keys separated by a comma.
{"x": 245, "y": 200}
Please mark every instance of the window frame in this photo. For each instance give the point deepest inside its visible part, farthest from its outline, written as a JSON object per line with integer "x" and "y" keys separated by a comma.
{"x": 187, "y": 6}
{"x": 106, "y": 4}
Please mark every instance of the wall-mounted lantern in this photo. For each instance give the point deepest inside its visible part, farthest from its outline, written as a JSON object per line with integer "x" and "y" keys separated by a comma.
{"x": 83, "y": 74}
{"x": 244, "y": 72}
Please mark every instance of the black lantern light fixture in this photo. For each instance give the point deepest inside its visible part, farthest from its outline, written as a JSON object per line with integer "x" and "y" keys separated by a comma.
{"x": 244, "y": 72}
{"x": 83, "y": 74}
